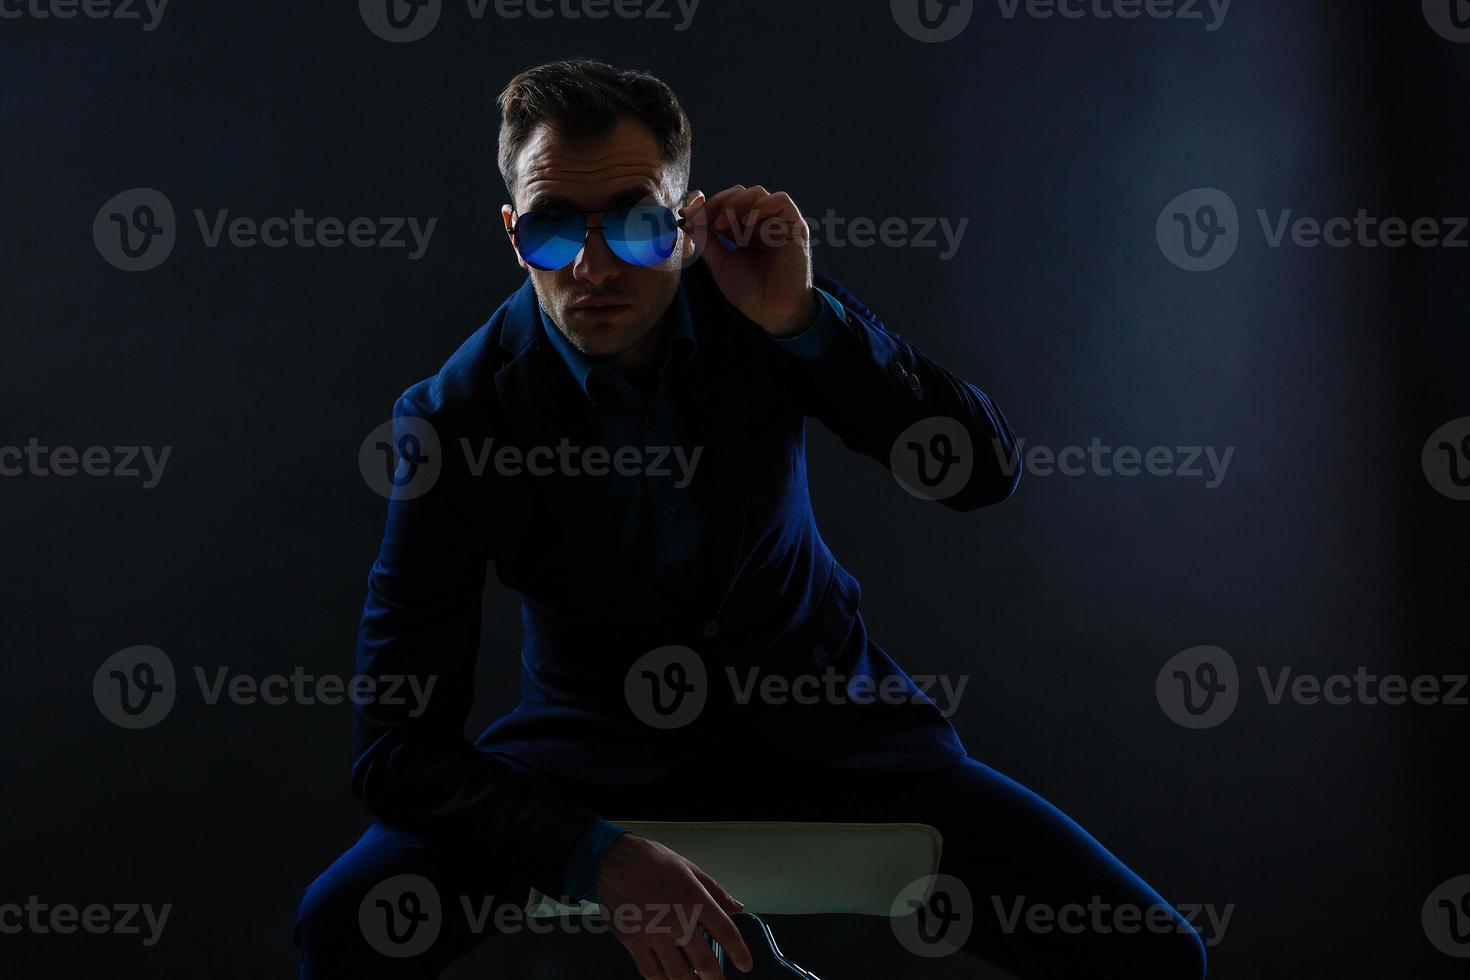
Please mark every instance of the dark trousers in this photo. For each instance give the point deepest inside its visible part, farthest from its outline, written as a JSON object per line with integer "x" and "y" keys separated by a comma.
{"x": 1043, "y": 898}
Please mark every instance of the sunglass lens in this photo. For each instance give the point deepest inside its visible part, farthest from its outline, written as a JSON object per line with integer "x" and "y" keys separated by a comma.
{"x": 643, "y": 235}
{"x": 550, "y": 239}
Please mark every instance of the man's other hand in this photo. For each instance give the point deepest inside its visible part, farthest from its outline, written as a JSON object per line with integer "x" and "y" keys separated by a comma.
{"x": 657, "y": 901}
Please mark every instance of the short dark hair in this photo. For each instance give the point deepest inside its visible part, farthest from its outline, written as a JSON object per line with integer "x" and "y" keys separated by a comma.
{"x": 581, "y": 99}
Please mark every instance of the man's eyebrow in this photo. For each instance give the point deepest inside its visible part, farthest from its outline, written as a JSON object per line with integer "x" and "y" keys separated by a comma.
{"x": 550, "y": 202}
{"x": 554, "y": 202}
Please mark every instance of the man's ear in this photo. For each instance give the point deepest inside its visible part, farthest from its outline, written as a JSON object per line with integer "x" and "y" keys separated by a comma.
{"x": 506, "y": 218}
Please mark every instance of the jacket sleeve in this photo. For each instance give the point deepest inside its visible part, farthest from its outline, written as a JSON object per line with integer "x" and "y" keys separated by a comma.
{"x": 412, "y": 764}
{"x": 870, "y": 387}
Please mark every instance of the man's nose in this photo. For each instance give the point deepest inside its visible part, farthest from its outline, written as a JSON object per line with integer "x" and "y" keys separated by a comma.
{"x": 596, "y": 263}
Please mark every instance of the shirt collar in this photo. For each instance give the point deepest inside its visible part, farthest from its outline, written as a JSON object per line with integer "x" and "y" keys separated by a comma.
{"x": 678, "y": 347}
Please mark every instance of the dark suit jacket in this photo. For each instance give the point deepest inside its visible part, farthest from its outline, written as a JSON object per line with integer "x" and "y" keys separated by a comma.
{"x": 771, "y": 594}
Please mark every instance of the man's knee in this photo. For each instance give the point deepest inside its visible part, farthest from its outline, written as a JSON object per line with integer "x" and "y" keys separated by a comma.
{"x": 386, "y": 907}
{"x": 339, "y": 924}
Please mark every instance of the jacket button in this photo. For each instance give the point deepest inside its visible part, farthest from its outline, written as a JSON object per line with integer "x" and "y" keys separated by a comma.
{"x": 710, "y": 629}
{"x": 897, "y": 370}
{"x": 916, "y": 386}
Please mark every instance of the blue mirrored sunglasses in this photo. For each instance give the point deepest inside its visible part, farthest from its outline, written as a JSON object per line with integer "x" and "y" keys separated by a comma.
{"x": 640, "y": 234}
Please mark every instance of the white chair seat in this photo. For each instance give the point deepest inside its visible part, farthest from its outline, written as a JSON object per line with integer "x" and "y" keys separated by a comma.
{"x": 780, "y": 868}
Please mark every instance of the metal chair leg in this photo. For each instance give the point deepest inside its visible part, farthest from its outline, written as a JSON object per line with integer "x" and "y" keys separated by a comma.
{"x": 775, "y": 950}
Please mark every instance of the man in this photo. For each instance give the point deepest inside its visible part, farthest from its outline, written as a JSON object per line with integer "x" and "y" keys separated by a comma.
{"x": 656, "y": 317}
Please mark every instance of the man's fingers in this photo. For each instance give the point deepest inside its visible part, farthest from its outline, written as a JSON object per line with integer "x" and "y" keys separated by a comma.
{"x": 738, "y": 207}
{"x": 780, "y": 204}
{"x": 701, "y": 956}
{"x": 714, "y": 255}
{"x": 648, "y": 965}
{"x": 728, "y": 205}
{"x": 718, "y": 201}
{"x": 718, "y": 924}
{"x": 672, "y": 959}
{"x": 726, "y": 901}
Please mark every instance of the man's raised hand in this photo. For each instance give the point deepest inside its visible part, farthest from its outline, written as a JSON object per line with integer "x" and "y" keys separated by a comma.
{"x": 768, "y": 277}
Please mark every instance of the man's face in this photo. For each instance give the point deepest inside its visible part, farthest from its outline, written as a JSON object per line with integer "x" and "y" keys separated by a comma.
{"x": 603, "y": 305}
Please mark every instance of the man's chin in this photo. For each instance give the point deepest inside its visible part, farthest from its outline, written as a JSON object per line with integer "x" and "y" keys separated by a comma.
{"x": 604, "y": 335}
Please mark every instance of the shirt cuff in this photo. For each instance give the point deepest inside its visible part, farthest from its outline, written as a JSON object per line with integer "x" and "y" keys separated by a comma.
{"x": 580, "y": 882}
{"x": 825, "y": 333}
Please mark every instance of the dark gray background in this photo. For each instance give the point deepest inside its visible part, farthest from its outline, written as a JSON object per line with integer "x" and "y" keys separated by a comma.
{"x": 1324, "y": 549}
